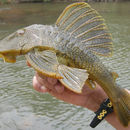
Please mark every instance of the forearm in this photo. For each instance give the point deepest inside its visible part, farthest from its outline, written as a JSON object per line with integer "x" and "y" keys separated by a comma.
{"x": 112, "y": 119}
{"x": 99, "y": 96}
{"x": 89, "y": 98}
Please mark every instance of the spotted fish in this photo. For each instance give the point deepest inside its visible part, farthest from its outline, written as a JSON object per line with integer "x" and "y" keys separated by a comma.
{"x": 68, "y": 51}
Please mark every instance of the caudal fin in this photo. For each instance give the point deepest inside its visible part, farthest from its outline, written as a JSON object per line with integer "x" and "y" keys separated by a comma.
{"x": 122, "y": 106}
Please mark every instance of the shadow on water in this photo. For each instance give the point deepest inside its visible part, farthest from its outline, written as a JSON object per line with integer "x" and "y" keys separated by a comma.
{"x": 22, "y": 108}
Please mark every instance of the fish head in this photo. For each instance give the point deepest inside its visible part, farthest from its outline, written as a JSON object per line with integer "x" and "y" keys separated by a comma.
{"x": 11, "y": 45}
{"x": 22, "y": 41}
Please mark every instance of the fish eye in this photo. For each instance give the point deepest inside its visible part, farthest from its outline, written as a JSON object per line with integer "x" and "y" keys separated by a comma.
{"x": 21, "y": 31}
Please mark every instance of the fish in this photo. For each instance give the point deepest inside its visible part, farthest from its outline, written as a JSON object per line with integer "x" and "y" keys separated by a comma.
{"x": 69, "y": 51}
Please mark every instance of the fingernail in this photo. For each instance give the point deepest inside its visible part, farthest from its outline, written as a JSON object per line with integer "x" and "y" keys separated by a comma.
{"x": 43, "y": 89}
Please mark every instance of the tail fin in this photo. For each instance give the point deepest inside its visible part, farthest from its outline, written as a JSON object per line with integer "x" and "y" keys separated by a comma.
{"x": 122, "y": 106}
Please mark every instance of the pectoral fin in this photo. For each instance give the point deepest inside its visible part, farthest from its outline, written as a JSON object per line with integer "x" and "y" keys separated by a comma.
{"x": 44, "y": 62}
{"x": 73, "y": 78}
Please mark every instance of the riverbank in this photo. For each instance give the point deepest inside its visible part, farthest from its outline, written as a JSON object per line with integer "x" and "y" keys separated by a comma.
{"x": 40, "y": 1}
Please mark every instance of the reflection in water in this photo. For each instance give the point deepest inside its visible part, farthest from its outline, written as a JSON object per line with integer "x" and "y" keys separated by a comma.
{"x": 22, "y": 108}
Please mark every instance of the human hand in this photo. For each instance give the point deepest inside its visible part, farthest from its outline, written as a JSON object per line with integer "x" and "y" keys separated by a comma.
{"x": 89, "y": 98}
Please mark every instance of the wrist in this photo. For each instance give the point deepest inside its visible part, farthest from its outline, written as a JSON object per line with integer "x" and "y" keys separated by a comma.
{"x": 105, "y": 109}
{"x": 95, "y": 97}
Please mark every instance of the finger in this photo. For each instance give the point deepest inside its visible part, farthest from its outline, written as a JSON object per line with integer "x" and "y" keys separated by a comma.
{"x": 52, "y": 81}
{"x": 59, "y": 91}
{"x": 38, "y": 87}
{"x": 51, "y": 84}
{"x": 42, "y": 79}
{"x": 59, "y": 88}
{"x": 47, "y": 82}
{"x": 69, "y": 97}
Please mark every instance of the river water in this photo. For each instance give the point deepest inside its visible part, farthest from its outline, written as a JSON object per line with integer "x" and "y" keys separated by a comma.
{"x": 21, "y": 107}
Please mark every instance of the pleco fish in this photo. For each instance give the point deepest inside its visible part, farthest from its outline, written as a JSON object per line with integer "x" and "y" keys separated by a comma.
{"x": 67, "y": 51}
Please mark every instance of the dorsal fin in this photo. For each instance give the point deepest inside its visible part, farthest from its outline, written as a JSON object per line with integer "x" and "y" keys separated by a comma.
{"x": 85, "y": 24}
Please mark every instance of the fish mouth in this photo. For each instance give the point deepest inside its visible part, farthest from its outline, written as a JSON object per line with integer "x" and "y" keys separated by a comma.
{"x": 8, "y": 56}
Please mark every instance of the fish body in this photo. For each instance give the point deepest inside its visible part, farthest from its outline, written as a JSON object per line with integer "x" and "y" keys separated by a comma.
{"x": 72, "y": 54}
{"x": 68, "y": 51}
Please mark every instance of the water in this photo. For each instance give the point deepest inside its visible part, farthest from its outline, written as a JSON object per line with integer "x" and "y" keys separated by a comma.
{"x": 21, "y": 107}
